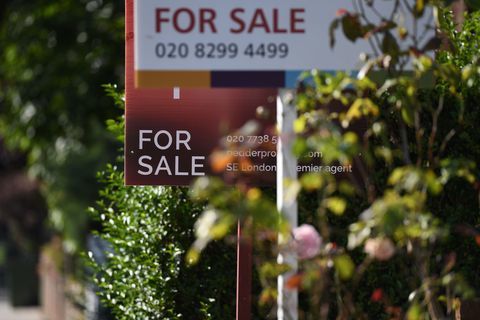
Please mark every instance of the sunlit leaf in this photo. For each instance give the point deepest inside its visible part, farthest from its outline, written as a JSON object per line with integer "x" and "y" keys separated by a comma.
{"x": 344, "y": 266}
{"x": 336, "y": 205}
{"x": 419, "y": 7}
{"x": 311, "y": 181}
{"x": 414, "y": 312}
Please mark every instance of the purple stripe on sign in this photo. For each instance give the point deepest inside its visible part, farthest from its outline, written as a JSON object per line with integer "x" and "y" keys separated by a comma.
{"x": 248, "y": 79}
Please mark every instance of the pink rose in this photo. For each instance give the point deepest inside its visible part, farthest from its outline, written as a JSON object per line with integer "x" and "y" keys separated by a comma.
{"x": 380, "y": 248}
{"x": 307, "y": 241}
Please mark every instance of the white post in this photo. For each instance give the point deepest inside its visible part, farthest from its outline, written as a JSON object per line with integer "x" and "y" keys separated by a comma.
{"x": 287, "y": 300}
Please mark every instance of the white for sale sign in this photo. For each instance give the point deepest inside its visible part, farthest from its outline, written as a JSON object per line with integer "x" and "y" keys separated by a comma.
{"x": 229, "y": 35}
{"x": 219, "y": 36}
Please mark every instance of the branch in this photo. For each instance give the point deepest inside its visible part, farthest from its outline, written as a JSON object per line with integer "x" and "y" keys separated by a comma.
{"x": 361, "y": 10}
{"x": 395, "y": 9}
{"x": 447, "y": 139}
{"x": 404, "y": 137}
{"x": 433, "y": 134}
{"x": 418, "y": 137}
{"x": 433, "y": 307}
{"x": 428, "y": 26}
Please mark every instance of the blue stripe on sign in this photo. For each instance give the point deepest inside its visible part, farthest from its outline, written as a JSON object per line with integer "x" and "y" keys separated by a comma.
{"x": 291, "y": 78}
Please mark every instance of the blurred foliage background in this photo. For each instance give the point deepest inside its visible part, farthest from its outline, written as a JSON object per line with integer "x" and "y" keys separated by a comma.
{"x": 399, "y": 237}
{"x": 54, "y": 58}
{"x": 60, "y": 124}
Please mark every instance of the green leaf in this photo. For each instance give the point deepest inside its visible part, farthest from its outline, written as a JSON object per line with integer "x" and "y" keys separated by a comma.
{"x": 396, "y": 176}
{"x": 414, "y": 312}
{"x": 362, "y": 107}
{"x": 331, "y": 31}
{"x": 311, "y": 181}
{"x": 407, "y": 115}
{"x": 273, "y": 270}
{"x": 336, "y": 205}
{"x": 419, "y": 8}
{"x": 390, "y": 45}
{"x": 352, "y": 29}
{"x": 300, "y": 124}
{"x": 299, "y": 147}
{"x": 433, "y": 183}
{"x": 344, "y": 266}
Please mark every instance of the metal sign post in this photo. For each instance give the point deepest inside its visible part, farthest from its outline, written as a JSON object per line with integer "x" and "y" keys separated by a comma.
{"x": 286, "y": 170}
{"x": 244, "y": 277}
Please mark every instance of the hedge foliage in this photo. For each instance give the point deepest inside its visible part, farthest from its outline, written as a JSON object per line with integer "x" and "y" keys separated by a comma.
{"x": 149, "y": 230}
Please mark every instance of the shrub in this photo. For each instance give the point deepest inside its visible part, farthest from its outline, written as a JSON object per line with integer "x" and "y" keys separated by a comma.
{"x": 400, "y": 233}
{"x": 145, "y": 275}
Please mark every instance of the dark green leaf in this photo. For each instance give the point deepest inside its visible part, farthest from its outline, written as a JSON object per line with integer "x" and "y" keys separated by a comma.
{"x": 333, "y": 27}
{"x": 351, "y": 27}
{"x": 390, "y": 45}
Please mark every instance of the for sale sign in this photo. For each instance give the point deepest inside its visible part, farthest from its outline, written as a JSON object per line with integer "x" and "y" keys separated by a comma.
{"x": 202, "y": 44}
{"x": 171, "y": 134}
{"x": 235, "y": 43}
{"x": 227, "y": 35}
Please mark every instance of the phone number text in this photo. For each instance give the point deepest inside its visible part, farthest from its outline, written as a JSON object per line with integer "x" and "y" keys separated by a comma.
{"x": 220, "y": 50}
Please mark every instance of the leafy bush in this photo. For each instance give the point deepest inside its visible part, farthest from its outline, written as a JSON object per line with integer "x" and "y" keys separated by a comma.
{"x": 54, "y": 58}
{"x": 399, "y": 235}
{"x": 146, "y": 276}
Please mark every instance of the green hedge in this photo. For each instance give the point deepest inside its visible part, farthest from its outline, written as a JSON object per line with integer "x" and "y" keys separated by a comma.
{"x": 146, "y": 277}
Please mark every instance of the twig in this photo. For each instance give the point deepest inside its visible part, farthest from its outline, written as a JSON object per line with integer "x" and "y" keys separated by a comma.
{"x": 447, "y": 139}
{"x": 395, "y": 9}
{"x": 360, "y": 8}
{"x": 418, "y": 137}
{"x": 431, "y": 300}
{"x": 405, "y": 3}
{"x": 404, "y": 137}
{"x": 431, "y": 140}
{"x": 369, "y": 188}
{"x": 427, "y": 27}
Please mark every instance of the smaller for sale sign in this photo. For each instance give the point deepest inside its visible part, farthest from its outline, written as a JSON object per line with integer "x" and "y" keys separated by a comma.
{"x": 171, "y": 135}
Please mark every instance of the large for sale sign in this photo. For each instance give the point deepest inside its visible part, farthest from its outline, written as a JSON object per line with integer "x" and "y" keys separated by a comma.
{"x": 198, "y": 45}
{"x": 235, "y": 43}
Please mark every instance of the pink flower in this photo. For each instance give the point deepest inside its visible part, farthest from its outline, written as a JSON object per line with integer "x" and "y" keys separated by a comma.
{"x": 307, "y": 241}
{"x": 380, "y": 248}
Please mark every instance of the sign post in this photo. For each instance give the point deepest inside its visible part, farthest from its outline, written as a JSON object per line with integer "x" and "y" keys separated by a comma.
{"x": 287, "y": 300}
{"x": 244, "y": 277}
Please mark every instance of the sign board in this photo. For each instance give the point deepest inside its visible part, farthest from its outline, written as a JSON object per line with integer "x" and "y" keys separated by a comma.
{"x": 200, "y": 45}
{"x": 236, "y": 43}
{"x": 169, "y": 138}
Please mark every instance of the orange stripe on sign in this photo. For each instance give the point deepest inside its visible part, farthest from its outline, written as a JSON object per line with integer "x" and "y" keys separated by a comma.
{"x": 162, "y": 79}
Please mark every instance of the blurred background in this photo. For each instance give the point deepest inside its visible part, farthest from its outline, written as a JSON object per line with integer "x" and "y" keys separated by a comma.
{"x": 55, "y": 57}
